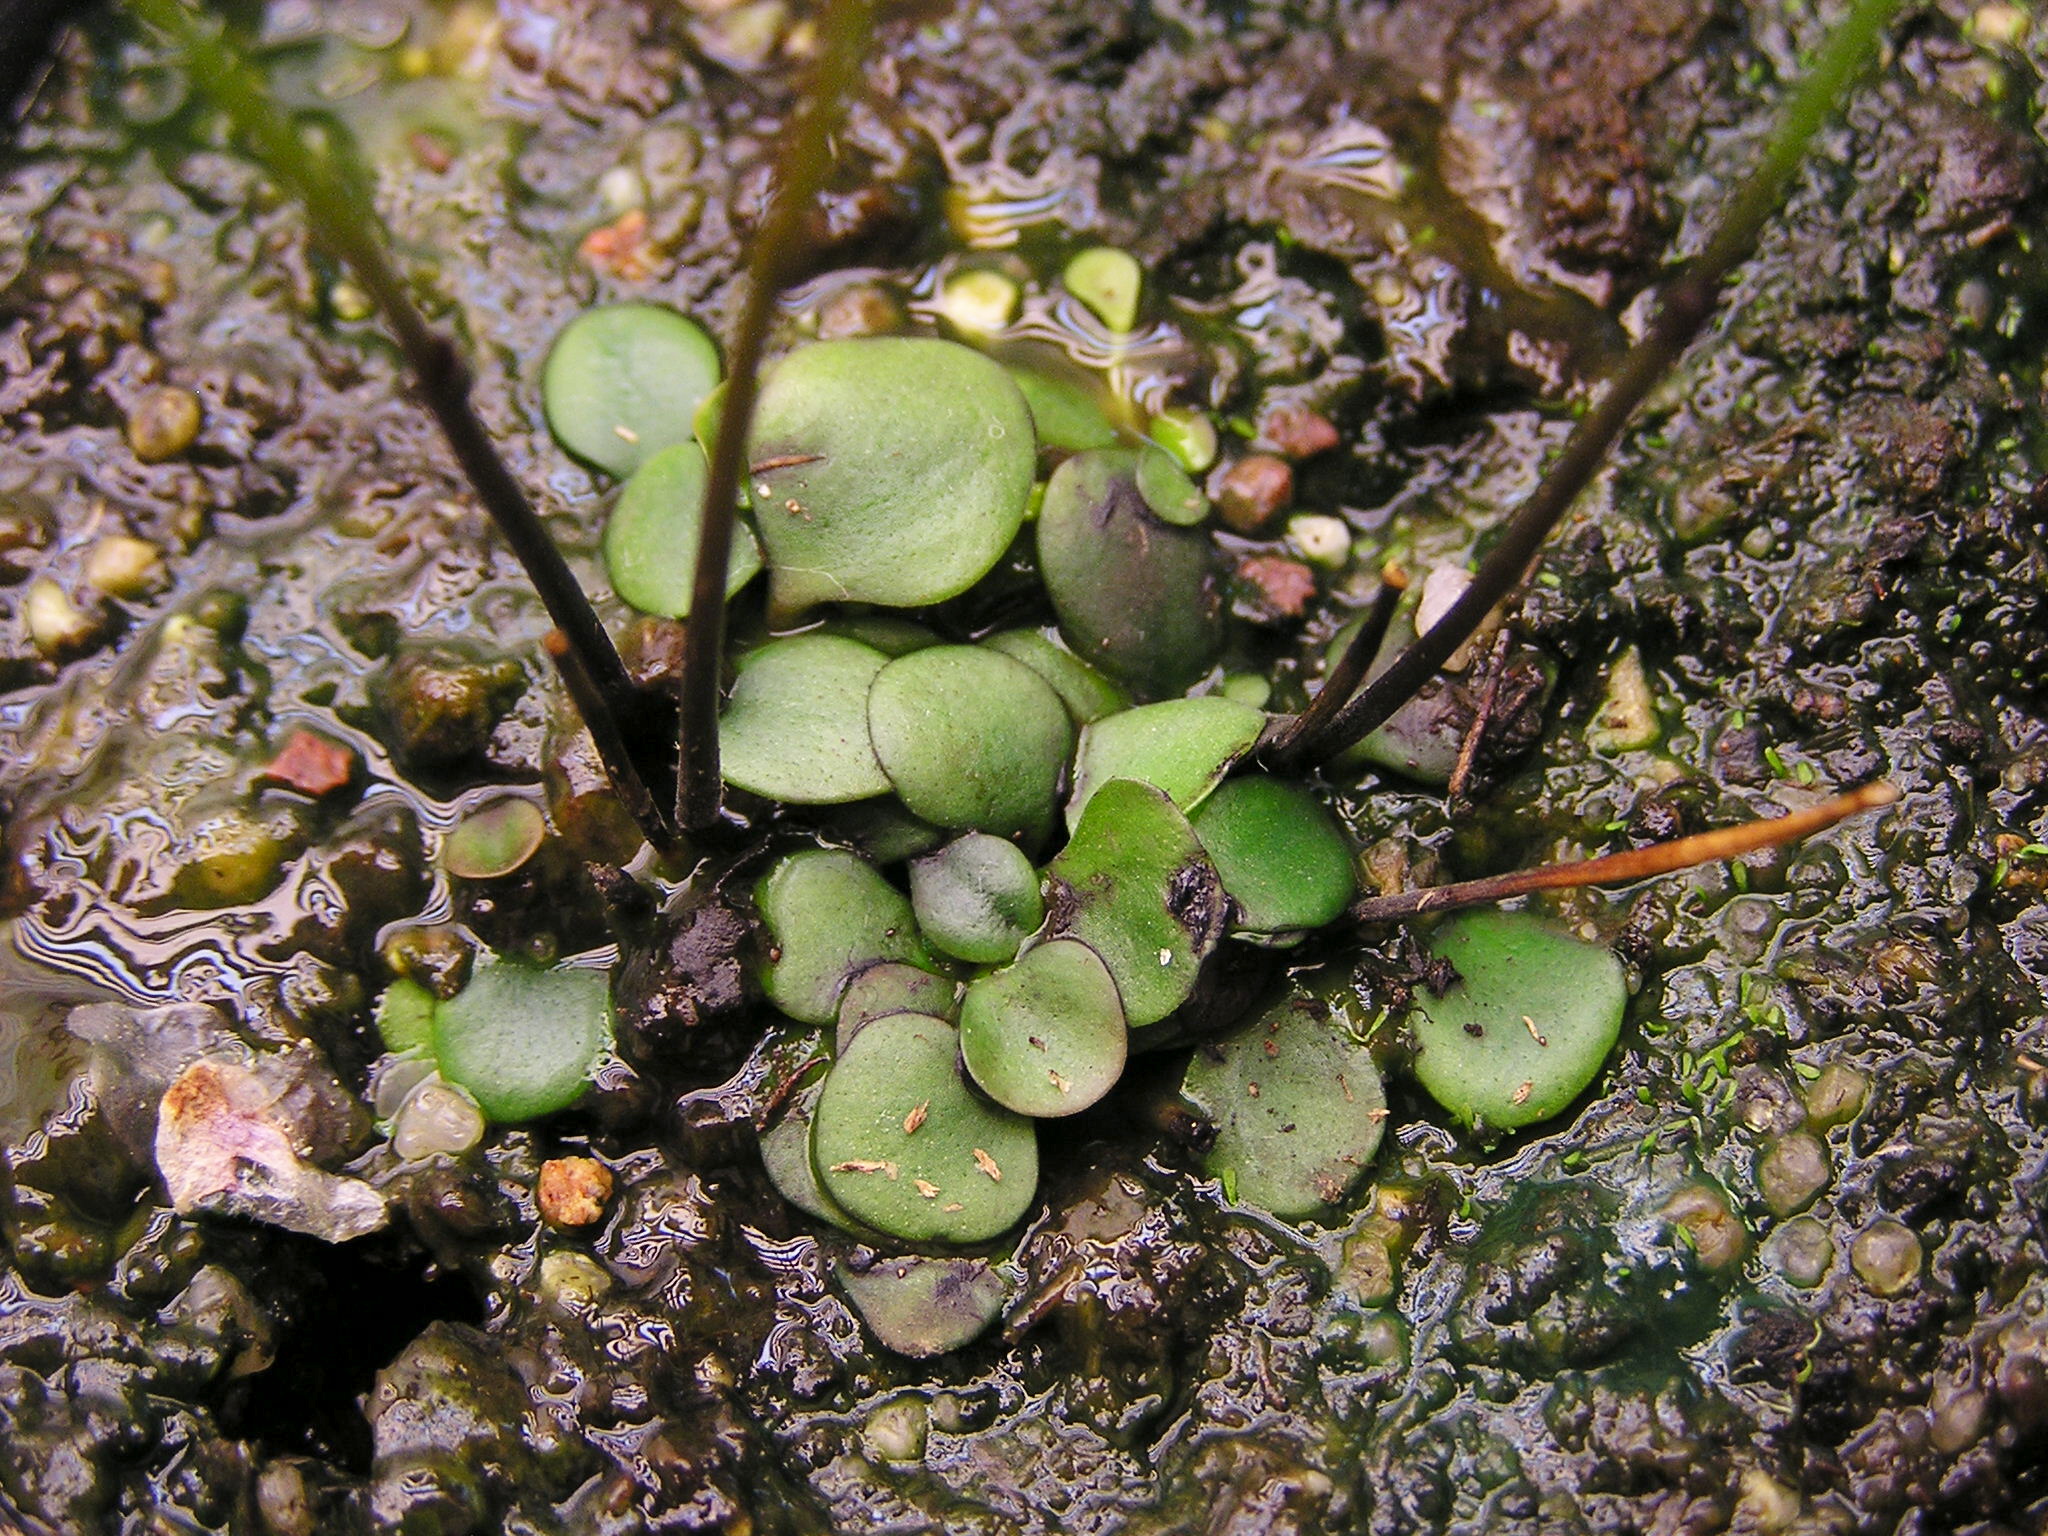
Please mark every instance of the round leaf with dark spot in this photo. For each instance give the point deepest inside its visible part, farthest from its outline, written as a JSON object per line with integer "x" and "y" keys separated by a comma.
{"x": 1045, "y": 1037}
{"x": 924, "y": 1307}
{"x": 1134, "y": 885}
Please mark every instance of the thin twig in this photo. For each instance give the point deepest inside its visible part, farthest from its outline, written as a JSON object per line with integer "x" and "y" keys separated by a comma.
{"x": 1284, "y": 744}
{"x": 805, "y": 161}
{"x": 1635, "y": 864}
{"x": 1489, "y": 698}
{"x": 609, "y": 702}
{"x": 1688, "y": 301}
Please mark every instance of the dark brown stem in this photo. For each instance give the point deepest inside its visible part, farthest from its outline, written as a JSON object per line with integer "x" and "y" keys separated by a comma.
{"x": 606, "y": 697}
{"x": 805, "y": 162}
{"x": 1283, "y": 747}
{"x": 1688, "y": 301}
{"x": 1636, "y": 864}
{"x": 1489, "y": 698}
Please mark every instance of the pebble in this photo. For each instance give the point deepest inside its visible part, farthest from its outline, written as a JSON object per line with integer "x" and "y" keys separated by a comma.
{"x": 1803, "y": 1252}
{"x": 1791, "y": 1172}
{"x": 56, "y": 624}
{"x": 1298, "y": 432}
{"x": 573, "y": 1191}
{"x": 163, "y": 423}
{"x": 1252, "y": 492}
{"x": 123, "y": 566}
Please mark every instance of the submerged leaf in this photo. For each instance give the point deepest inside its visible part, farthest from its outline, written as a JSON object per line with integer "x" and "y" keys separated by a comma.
{"x": 1298, "y": 1108}
{"x": 924, "y": 1307}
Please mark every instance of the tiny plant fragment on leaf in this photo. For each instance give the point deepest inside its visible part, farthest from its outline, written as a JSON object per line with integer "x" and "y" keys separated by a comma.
{"x": 1528, "y": 1025}
{"x": 1298, "y": 1108}
{"x": 623, "y": 382}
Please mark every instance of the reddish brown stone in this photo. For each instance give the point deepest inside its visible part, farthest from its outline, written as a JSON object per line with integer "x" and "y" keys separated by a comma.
{"x": 1286, "y": 586}
{"x": 1298, "y": 432}
{"x": 1252, "y": 492}
{"x": 621, "y": 247}
{"x": 312, "y": 764}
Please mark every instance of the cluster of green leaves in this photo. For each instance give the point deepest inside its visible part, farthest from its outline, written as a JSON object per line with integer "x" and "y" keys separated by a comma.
{"x": 1007, "y": 986}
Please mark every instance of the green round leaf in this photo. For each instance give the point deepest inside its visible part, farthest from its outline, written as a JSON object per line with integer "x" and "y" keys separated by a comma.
{"x": 796, "y": 726}
{"x": 971, "y": 738}
{"x": 623, "y": 381}
{"x": 1298, "y": 1108}
{"x": 523, "y": 1040}
{"x": 494, "y": 839}
{"x": 1045, "y": 1037}
{"x": 890, "y": 470}
{"x": 924, "y": 1307}
{"x": 1065, "y": 414}
{"x": 405, "y": 1016}
{"x": 1280, "y": 853}
{"x": 1135, "y": 596}
{"x": 1528, "y": 1025}
{"x": 1183, "y": 746}
{"x": 891, "y": 987}
{"x": 1135, "y": 886}
{"x": 977, "y": 898}
{"x": 902, "y": 1144}
{"x": 829, "y": 916}
{"x": 786, "y": 1154}
{"x": 1167, "y": 489}
{"x": 1087, "y": 694}
{"x": 650, "y": 539}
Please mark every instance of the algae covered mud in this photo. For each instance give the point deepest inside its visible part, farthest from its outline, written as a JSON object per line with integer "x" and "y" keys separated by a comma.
{"x": 393, "y": 1144}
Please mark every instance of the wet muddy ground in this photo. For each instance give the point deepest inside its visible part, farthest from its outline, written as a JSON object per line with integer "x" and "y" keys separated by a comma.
{"x": 1782, "y": 1269}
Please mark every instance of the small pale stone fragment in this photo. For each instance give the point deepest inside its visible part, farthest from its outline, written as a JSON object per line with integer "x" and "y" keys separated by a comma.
{"x": 1887, "y": 1256}
{"x": 123, "y": 566}
{"x": 1627, "y": 718}
{"x": 56, "y": 624}
{"x": 1322, "y": 540}
{"x": 163, "y": 423}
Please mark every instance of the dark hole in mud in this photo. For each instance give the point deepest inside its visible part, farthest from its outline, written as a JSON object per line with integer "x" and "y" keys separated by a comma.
{"x": 351, "y": 1309}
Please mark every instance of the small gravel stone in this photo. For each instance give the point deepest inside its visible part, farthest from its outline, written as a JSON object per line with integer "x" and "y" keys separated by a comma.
{"x": 57, "y": 625}
{"x": 1284, "y": 586}
{"x": 123, "y": 566}
{"x": 574, "y": 1190}
{"x": 861, "y": 310}
{"x": 1887, "y": 1255}
{"x": 1791, "y": 1172}
{"x": 1836, "y": 1097}
{"x": 1298, "y": 432}
{"x": 1700, "y": 1214}
{"x": 163, "y": 424}
{"x": 1252, "y": 492}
